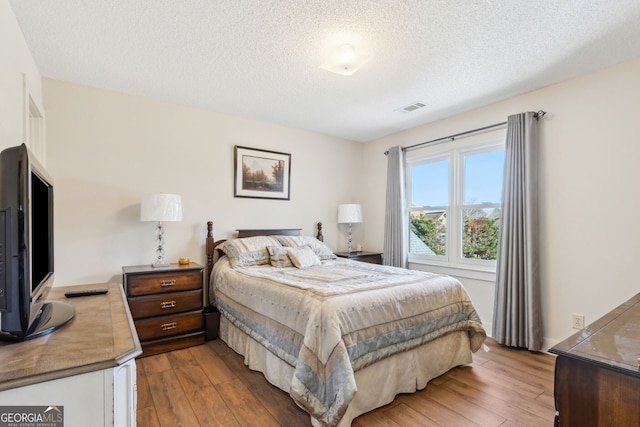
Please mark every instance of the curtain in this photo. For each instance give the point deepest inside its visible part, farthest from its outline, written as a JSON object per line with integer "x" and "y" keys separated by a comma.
{"x": 516, "y": 315}
{"x": 395, "y": 229}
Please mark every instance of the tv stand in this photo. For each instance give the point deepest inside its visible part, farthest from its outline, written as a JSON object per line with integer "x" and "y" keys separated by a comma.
{"x": 87, "y": 367}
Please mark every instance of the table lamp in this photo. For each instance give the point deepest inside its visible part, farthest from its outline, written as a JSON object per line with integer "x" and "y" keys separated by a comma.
{"x": 160, "y": 207}
{"x": 349, "y": 214}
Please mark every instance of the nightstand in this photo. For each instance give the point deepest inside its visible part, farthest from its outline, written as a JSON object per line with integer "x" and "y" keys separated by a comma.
{"x": 166, "y": 305}
{"x": 370, "y": 257}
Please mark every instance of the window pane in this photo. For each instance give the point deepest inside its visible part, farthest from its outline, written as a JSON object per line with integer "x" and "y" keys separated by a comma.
{"x": 483, "y": 177}
{"x": 480, "y": 234}
{"x": 430, "y": 184}
{"x": 428, "y": 233}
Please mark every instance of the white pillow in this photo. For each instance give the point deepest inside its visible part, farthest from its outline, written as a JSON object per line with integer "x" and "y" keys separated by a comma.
{"x": 303, "y": 257}
{"x": 322, "y": 251}
{"x": 248, "y": 250}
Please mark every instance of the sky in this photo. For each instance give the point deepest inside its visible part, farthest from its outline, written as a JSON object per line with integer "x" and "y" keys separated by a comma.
{"x": 482, "y": 180}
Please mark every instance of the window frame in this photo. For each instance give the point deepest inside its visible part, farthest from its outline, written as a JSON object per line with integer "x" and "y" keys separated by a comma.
{"x": 447, "y": 209}
{"x": 455, "y": 151}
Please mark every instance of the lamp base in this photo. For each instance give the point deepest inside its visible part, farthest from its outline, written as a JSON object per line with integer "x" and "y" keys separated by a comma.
{"x": 160, "y": 264}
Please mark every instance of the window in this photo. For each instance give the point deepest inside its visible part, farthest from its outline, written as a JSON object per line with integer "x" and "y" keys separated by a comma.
{"x": 429, "y": 203}
{"x": 454, "y": 191}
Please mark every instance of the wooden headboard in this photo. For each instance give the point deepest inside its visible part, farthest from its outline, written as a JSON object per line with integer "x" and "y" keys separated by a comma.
{"x": 274, "y": 232}
{"x": 211, "y": 243}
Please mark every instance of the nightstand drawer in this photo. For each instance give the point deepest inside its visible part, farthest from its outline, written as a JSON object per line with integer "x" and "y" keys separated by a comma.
{"x": 146, "y": 284}
{"x": 164, "y": 326}
{"x": 172, "y": 343}
{"x": 169, "y": 303}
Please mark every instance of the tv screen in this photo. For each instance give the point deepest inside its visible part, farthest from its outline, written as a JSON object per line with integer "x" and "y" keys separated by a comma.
{"x": 41, "y": 231}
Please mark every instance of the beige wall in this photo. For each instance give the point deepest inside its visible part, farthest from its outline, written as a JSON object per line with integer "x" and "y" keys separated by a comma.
{"x": 18, "y": 68}
{"x": 106, "y": 149}
{"x": 589, "y": 201}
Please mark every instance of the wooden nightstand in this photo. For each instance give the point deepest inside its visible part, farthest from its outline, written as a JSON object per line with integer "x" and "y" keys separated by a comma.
{"x": 370, "y": 257}
{"x": 166, "y": 305}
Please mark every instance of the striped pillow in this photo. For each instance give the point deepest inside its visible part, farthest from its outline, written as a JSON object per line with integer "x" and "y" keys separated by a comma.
{"x": 322, "y": 251}
{"x": 278, "y": 256}
{"x": 248, "y": 250}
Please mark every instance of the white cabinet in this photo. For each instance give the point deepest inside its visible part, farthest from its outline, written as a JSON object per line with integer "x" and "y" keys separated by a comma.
{"x": 87, "y": 366}
{"x": 99, "y": 398}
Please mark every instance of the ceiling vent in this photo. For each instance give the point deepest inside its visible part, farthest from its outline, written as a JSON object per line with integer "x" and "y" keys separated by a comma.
{"x": 411, "y": 108}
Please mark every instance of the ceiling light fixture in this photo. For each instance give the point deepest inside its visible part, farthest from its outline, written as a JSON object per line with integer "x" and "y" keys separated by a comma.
{"x": 345, "y": 60}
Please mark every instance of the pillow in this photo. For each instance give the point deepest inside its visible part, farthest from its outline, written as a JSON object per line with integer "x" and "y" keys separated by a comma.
{"x": 248, "y": 250}
{"x": 303, "y": 257}
{"x": 278, "y": 256}
{"x": 322, "y": 251}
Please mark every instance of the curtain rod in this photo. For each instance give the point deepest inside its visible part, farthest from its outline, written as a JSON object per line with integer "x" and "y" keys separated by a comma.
{"x": 538, "y": 115}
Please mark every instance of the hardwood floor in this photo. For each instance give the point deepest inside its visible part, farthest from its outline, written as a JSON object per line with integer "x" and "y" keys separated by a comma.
{"x": 209, "y": 385}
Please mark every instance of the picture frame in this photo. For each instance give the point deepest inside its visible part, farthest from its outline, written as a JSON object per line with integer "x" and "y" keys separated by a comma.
{"x": 261, "y": 174}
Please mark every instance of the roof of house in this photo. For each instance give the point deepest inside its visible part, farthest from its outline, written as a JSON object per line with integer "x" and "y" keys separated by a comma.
{"x": 417, "y": 246}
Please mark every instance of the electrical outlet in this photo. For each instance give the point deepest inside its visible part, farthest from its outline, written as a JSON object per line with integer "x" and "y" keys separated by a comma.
{"x": 577, "y": 321}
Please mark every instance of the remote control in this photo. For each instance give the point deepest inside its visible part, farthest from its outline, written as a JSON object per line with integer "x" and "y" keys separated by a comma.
{"x": 86, "y": 293}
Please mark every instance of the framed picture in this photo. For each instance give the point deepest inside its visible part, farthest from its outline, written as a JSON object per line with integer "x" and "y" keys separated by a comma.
{"x": 261, "y": 174}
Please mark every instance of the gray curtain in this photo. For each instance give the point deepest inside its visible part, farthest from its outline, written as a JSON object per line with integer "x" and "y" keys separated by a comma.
{"x": 516, "y": 314}
{"x": 395, "y": 229}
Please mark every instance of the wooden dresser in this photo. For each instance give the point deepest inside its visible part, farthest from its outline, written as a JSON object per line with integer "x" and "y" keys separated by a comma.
{"x": 166, "y": 305}
{"x": 597, "y": 380}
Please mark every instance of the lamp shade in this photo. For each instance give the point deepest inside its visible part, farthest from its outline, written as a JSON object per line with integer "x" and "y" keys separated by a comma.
{"x": 161, "y": 207}
{"x": 349, "y": 214}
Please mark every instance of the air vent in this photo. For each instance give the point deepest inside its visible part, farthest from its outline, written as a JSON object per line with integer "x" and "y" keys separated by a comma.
{"x": 410, "y": 108}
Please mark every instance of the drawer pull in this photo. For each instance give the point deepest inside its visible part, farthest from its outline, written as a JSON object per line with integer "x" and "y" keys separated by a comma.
{"x": 167, "y": 304}
{"x": 169, "y": 326}
{"x": 166, "y": 283}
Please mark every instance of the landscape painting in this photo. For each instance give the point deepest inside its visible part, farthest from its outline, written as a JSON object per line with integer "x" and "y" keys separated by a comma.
{"x": 261, "y": 174}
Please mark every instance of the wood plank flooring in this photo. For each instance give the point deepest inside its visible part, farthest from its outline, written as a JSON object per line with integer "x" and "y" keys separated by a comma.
{"x": 209, "y": 385}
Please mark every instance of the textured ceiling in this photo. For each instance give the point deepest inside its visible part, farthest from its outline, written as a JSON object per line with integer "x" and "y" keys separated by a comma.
{"x": 260, "y": 58}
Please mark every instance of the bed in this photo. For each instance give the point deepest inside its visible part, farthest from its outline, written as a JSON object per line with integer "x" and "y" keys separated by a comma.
{"x": 342, "y": 337}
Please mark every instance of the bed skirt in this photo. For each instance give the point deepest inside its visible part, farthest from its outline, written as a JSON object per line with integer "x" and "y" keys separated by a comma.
{"x": 378, "y": 384}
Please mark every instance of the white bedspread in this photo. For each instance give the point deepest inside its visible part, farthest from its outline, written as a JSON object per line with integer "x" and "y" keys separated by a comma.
{"x": 331, "y": 320}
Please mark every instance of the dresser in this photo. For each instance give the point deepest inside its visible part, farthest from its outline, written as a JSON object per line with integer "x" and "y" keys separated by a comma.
{"x": 370, "y": 257}
{"x": 166, "y": 305}
{"x": 86, "y": 367}
{"x": 597, "y": 380}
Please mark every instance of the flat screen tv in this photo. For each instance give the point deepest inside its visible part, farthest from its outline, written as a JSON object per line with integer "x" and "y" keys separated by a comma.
{"x": 26, "y": 249}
